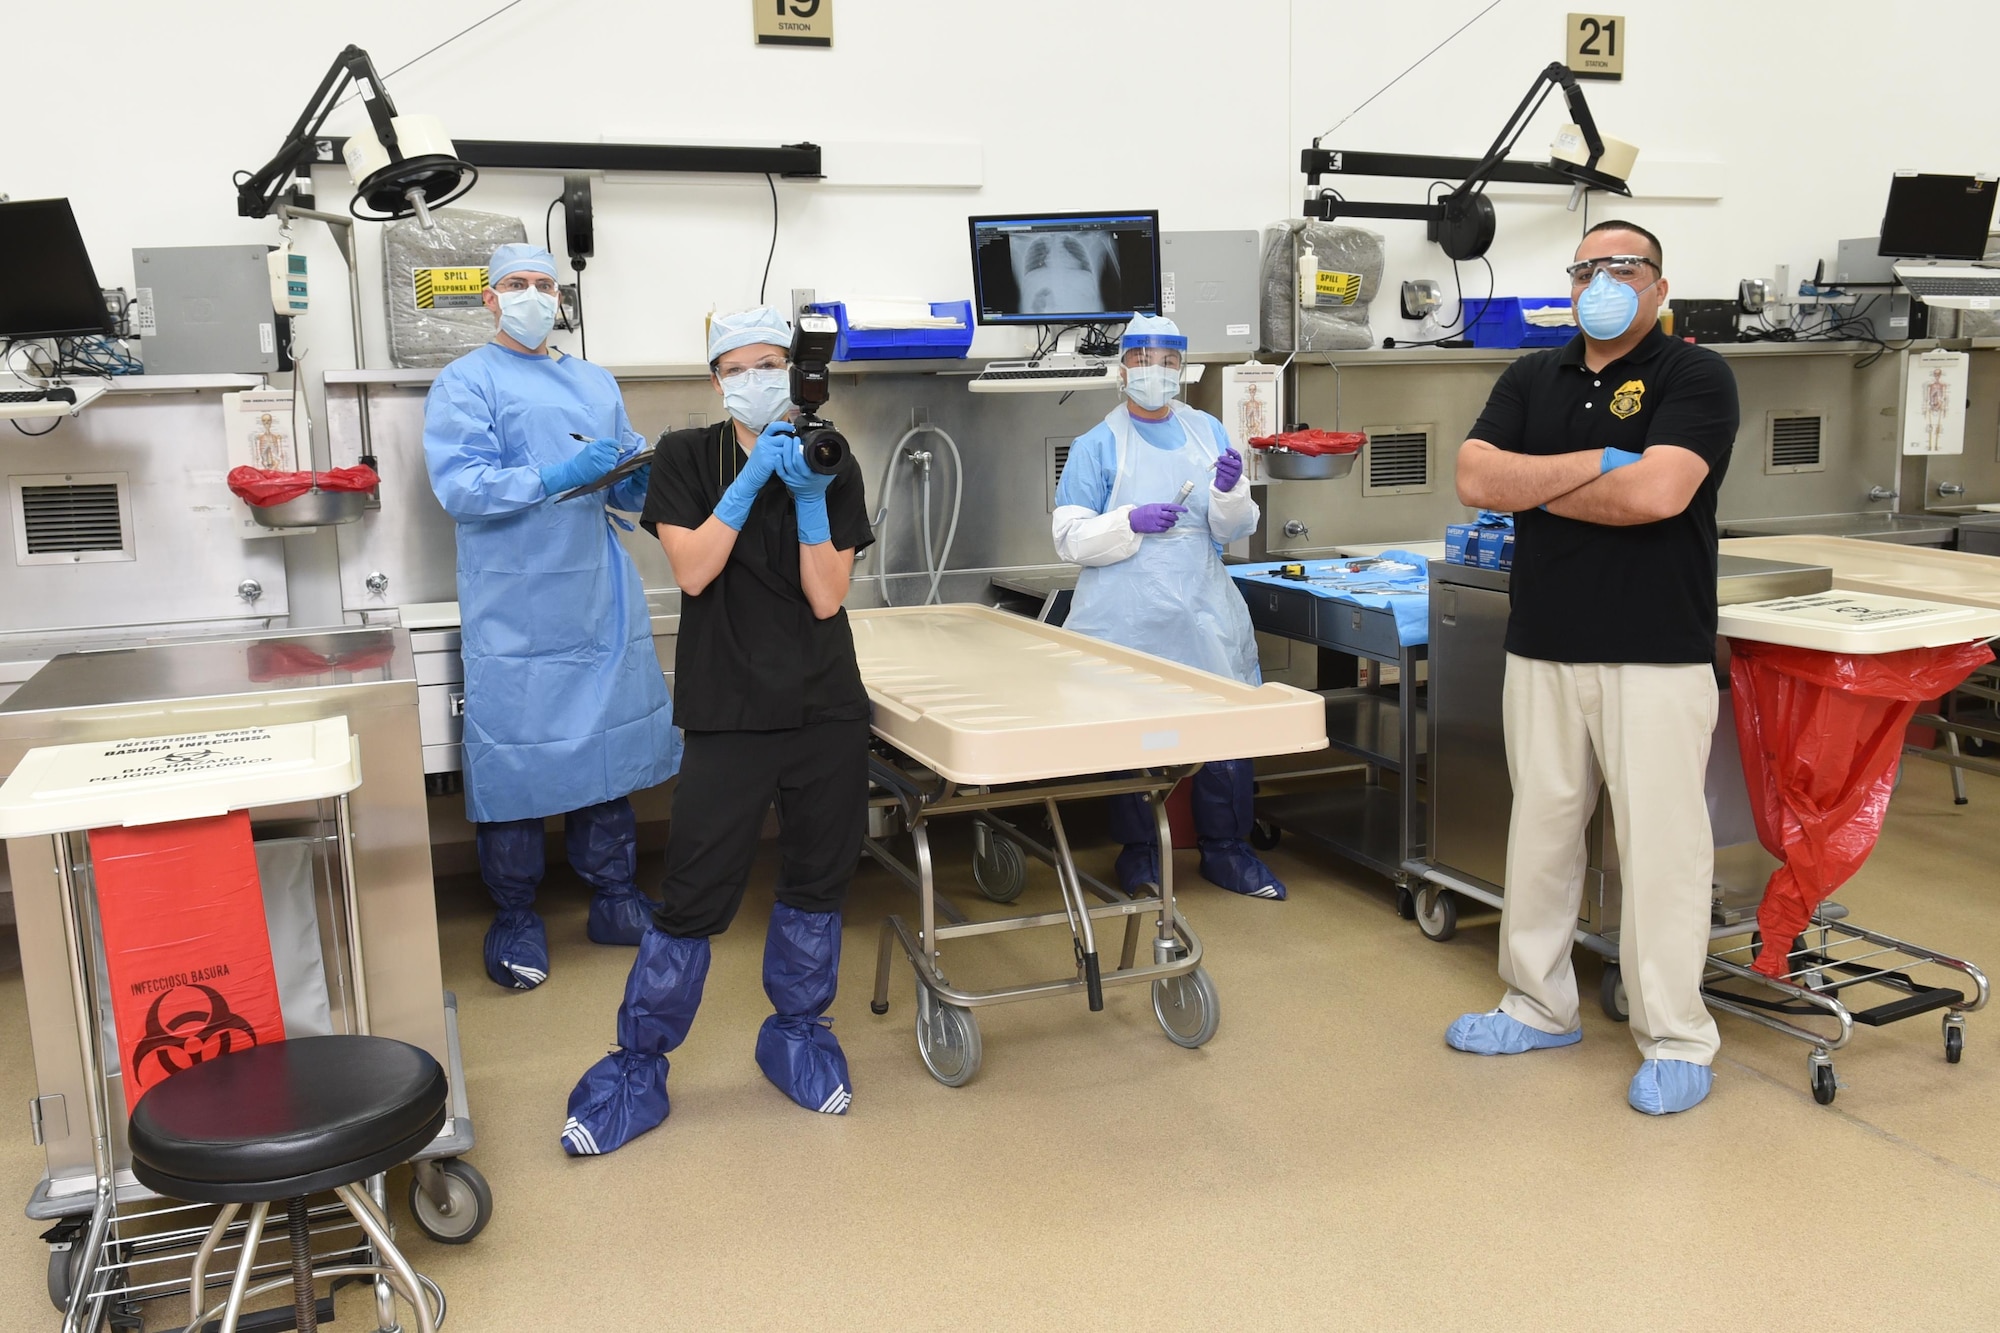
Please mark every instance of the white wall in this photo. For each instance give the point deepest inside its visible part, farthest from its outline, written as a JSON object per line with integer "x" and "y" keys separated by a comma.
{"x": 1196, "y": 107}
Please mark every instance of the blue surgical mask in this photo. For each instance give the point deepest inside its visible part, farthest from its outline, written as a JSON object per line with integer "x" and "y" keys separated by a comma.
{"x": 1607, "y": 307}
{"x": 527, "y": 316}
{"x": 1152, "y": 387}
{"x": 757, "y": 397}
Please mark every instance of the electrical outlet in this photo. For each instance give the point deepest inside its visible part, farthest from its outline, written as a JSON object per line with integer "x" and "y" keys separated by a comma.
{"x": 801, "y": 298}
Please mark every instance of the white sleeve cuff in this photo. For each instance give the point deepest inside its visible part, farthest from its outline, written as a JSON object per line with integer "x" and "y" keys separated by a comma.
{"x": 1085, "y": 537}
{"x": 1232, "y": 514}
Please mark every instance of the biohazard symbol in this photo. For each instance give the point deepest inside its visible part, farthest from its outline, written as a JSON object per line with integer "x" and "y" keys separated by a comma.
{"x": 184, "y": 1027}
{"x": 1625, "y": 402}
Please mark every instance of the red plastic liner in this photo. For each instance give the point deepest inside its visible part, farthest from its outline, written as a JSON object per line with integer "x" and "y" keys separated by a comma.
{"x": 1820, "y": 735}
{"x": 263, "y": 487}
{"x": 1313, "y": 441}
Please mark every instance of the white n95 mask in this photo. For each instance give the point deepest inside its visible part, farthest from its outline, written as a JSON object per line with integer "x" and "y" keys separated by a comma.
{"x": 527, "y": 316}
{"x": 757, "y": 397}
{"x": 1152, "y": 387}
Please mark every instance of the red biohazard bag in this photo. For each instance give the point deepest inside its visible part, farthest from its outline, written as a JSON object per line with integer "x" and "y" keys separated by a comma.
{"x": 264, "y": 487}
{"x": 185, "y": 945}
{"x": 1820, "y": 735}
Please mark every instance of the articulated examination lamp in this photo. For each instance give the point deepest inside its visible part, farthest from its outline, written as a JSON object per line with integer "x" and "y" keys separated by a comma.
{"x": 1462, "y": 221}
{"x": 401, "y": 166}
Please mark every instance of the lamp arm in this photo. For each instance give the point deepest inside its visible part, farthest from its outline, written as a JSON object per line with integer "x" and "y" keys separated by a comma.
{"x": 1579, "y": 111}
{"x": 1556, "y": 74}
{"x": 256, "y": 192}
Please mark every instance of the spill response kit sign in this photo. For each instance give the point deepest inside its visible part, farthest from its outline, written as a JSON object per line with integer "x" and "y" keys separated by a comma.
{"x": 448, "y": 288}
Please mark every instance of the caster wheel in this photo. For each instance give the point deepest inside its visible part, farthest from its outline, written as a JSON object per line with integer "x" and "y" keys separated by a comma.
{"x": 63, "y": 1274}
{"x": 947, "y": 1039}
{"x": 469, "y": 1209}
{"x": 1187, "y": 1008}
{"x": 1823, "y": 1086}
{"x": 1954, "y": 1043}
{"x": 999, "y": 869}
{"x": 1437, "y": 913}
{"x": 1611, "y": 994}
{"x": 1264, "y": 835}
{"x": 1406, "y": 903}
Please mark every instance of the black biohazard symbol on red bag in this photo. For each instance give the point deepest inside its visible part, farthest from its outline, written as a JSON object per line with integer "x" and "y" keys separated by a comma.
{"x": 184, "y": 1027}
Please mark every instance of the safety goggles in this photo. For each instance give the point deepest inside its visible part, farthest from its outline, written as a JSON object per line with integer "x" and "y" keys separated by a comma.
{"x": 1151, "y": 356}
{"x": 775, "y": 361}
{"x": 520, "y": 282}
{"x": 1628, "y": 269}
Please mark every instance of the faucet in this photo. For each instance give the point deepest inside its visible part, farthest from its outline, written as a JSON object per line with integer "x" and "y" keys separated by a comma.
{"x": 1948, "y": 488}
{"x": 1877, "y": 494}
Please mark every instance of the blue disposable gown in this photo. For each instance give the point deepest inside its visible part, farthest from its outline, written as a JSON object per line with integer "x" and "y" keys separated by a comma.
{"x": 565, "y": 703}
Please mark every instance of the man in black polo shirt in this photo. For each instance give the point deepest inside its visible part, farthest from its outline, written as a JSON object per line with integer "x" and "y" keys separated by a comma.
{"x": 769, "y": 693}
{"x": 1610, "y": 451}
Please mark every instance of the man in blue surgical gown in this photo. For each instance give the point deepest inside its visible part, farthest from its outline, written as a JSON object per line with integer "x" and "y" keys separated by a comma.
{"x": 566, "y": 709}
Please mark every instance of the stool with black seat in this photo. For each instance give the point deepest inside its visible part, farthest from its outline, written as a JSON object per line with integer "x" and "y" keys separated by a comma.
{"x": 276, "y": 1123}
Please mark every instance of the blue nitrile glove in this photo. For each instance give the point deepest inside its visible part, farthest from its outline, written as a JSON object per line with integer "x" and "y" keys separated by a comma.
{"x": 1155, "y": 517}
{"x": 1616, "y": 458}
{"x": 808, "y": 490}
{"x": 1228, "y": 470}
{"x": 581, "y": 468}
{"x": 776, "y": 440}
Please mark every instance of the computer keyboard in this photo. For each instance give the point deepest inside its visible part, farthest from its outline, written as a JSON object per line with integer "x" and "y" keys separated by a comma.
{"x": 24, "y": 396}
{"x": 1952, "y": 286}
{"x": 1029, "y": 377}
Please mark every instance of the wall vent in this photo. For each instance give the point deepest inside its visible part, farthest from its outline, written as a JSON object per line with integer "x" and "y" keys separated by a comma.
{"x": 1058, "y": 455}
{"x": 1397, "y": 460}
{"x": 1792, "y": 442}
{"x": 71, "y": 519}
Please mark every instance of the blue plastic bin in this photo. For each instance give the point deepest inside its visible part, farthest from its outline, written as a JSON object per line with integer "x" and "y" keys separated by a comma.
{"x": 1502, "y": 322}
{"x": 902, "y": 344}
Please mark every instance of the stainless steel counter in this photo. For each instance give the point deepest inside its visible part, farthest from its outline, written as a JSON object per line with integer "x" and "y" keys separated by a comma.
{"x": 1908, "y": 529}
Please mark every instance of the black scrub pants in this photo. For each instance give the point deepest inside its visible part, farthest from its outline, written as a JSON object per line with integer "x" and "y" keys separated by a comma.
{"x": 817, "y": 774}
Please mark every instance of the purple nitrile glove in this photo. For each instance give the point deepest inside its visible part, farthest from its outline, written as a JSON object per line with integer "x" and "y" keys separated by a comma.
{"x": 1228, "y": 470}
{"x": 1155, "y": 518}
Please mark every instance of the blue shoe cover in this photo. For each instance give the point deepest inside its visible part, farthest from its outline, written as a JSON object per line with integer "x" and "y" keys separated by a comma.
{"x": 1230, "y": 864}
{"x": 618, "y": 917}
{"x": 1662, "y": 1087}
{"x": 1497, "y": 1033}
{"x": 618, "y": 1099}
{"x": 517, "y": 950}
{"x": 625, "y": 1094}
{"x": 796, "y": 1047}
{"x": 1139, "y": 869}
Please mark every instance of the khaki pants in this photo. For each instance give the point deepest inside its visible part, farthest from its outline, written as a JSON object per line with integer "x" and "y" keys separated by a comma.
{"x": 1642, "y": 732}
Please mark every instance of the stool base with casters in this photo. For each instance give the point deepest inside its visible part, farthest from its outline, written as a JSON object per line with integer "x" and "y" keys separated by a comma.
{"x": 276, "y": 1123}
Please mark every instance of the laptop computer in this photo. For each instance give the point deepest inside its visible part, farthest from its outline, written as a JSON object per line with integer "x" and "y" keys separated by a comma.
{"x": 1936, "y": 227}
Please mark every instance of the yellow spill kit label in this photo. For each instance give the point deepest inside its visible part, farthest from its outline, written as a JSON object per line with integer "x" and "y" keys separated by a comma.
{"x": 449, "y": 288}
{"x": 1337, "y": 288}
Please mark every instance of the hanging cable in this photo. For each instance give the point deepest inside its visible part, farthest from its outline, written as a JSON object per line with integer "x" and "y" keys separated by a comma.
{"x": 766, "y": 281}
{"x": 1420, "y": 60}
{"x": 433, "y": 51}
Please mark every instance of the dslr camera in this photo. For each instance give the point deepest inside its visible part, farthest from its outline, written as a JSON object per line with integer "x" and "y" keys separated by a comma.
{"x": 812, "y": 384}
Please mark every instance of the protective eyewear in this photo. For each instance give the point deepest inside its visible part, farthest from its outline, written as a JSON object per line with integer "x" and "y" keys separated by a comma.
{"x": 773, "y": 362}
{"x": 1152, "y": 356}
{"x": 520, "y": 283}
{"x": 1628, "y": 269}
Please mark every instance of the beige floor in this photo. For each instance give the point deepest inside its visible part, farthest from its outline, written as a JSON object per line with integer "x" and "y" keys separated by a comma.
{"x": 1326, "y": 1162}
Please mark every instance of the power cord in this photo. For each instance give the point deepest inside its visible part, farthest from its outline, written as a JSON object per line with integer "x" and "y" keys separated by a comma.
{"x": 766, "y": 282}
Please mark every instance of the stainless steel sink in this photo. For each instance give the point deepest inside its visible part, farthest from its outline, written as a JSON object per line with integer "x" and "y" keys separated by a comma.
{"x": 1907, "y": 529}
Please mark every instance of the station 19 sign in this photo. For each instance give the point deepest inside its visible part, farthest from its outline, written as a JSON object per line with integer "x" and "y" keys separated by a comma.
{"x": 793, "y": 22}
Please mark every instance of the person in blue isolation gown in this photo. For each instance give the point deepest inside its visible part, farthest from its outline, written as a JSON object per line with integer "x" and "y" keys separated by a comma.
{"x": 566, "y": 709}
{"x": 1153, "y": 580}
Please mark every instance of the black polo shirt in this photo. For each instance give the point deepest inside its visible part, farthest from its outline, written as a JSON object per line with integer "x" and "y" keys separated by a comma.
{"x": 751, "y": 655}
{"x": 1585, "y": 592}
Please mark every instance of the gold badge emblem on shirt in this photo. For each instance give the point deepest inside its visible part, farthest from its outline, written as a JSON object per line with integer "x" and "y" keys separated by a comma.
{"x": 1625, "y": 402}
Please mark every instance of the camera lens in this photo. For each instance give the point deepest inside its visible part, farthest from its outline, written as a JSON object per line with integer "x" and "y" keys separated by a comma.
{"x": 825, "y": 450}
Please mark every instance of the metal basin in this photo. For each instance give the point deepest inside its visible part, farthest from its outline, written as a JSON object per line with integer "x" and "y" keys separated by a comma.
{"x": 1285, "y": 465}
{"x": 1908, "y": 529}
{"x": 314, "y": 509}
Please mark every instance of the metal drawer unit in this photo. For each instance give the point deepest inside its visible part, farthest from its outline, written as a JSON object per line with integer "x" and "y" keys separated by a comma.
{"x": 1375, "y": 824}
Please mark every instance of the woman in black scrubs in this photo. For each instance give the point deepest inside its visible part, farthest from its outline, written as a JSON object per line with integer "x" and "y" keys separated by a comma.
{"x": 769, "y": 695}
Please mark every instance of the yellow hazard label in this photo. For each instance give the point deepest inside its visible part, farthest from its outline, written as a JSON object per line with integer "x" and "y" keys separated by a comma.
{"x": 1337, "y": 288}
{"x": 448, "y": 288}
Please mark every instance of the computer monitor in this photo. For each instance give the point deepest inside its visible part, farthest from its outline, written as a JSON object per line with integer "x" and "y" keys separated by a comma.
{"x": 47, "y": 287}
{"x": 1937, "y": 217}
{"x": 1066, "y": 268}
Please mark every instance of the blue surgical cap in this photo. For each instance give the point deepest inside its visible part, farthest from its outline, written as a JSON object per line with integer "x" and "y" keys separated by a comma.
{"x": 745, "y": 328}
{"x": 1152, "y": 331}
{"x": 518, "y": 258}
